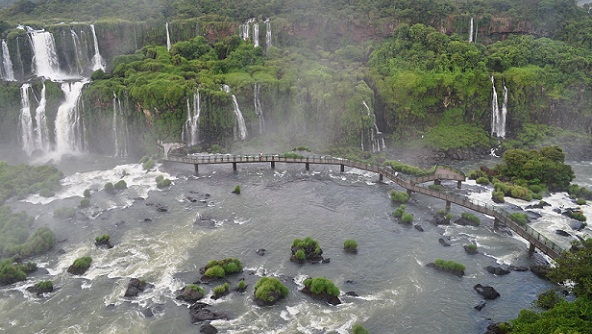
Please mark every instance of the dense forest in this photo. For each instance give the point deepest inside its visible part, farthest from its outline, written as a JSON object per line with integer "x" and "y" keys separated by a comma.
{"x": 330, "y": 73}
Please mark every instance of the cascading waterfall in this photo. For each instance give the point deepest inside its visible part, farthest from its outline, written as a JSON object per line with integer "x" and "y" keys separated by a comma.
{"x": 191, "y": 130}
{"x": 78, "y": 53}
{"x": 258, "y": 108}
{"x": 375, "y": 136}
{"x": 68, "y": 125}
{"x": 267, "y": 35}
{"x": 244, "y": 29}
{"x": 471, "y": 31}
{"x": 42, "y": 131}
{"x": 7, "y": 70}
{"x": 45, "y": 55}
{"x": 26, "y": 121}
{"x": 239, "y": 116}
{"x": 168, "y": 35}
{"x": 498, "y": 117}
{"x": 97, "y": 61}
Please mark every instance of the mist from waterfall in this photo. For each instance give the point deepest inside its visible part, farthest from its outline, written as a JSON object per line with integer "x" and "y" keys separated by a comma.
{"x": 120, "y": 128}
{"x": 242, "y": 128}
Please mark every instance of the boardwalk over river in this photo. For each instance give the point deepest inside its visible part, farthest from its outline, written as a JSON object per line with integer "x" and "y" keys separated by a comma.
{"x": 535, "y": 239}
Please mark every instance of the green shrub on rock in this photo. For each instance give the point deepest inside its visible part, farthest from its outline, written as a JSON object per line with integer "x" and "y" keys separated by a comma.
{"x": 310, "y": 247}
{"x": 86, "y": 193}
{"x": 359, "y": 329}
{"x": 449, "y": 266}
{"x": 236, "y": 190}
{"x": 148, "y": 164}
{"x": 472, "y": 218}
{"x": 120, "y": 185}
{"x": 498, "y": 197}
{"x": 163, "y": 183}
{"x": 109, "y": 187}
{"x": 406, "y": 218}
{"x": 64, "y": 212}
{"x": 85, "y": 202}
{"x": 398, "y": 213}
{"x": 221, "y": 290}
{"x": 520, "y": 218}
{"x": 219, "y": 269}
{"x": 483, "y": 180}
{"x": 322, "y": 288}
{"x": 350, "y": 246}
{"x": 80, "y": 265}
{"x": 399, "y": 196}
{"x": 268, "y": 290}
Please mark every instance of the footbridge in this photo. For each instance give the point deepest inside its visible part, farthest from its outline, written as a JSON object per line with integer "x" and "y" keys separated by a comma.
{"x": 501, "y": 216}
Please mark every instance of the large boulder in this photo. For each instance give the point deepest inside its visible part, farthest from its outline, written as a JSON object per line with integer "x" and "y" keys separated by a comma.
{"x": 444, "y": 242}
{"x": 208, "y": 329}
{"x": 135, "y": 286}
{"x": 322, "y": 296}
{"x": 199, "y": 312}
{"x": 440, "y": 219}
{"x": 487, "y": 292}
{"x": 190, "y": 294}
{"x": 541, "y": 270}
{"x": 497, "y": 270}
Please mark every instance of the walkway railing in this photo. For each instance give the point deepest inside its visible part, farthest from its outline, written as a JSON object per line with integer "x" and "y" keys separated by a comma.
{"x": 533, "y": 237}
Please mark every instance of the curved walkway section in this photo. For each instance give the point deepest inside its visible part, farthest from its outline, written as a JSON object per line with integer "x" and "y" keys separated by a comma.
{"x": 535, "y": 239}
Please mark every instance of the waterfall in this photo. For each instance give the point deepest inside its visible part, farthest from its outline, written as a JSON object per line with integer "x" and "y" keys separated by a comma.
{"x": 7, "y": 69}
{"x": 267, "y": 35}
{"x": 498, "y": 117}
{"x": 244, "y": 29}
{"x": 78, "y": 52}
{"x": 239, "y": 116}
{"x": 45, "y": 55}
{"x": 256, "y": 34}
{"x": 258, "y": 108}
{"x": 471, "y": 31}
{"x": 42, "y": 132}
{"x": 191, "y": 131}
{"x": 68, "y": 125}
{"x": 26, "y": 121}
{"x": 168, "y": 37}
{"x": 97, "y": 61}
{"x": 375, "y": 136}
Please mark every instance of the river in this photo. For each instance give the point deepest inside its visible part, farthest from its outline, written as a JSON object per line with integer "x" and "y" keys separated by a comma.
{"x": 165, "y": 236}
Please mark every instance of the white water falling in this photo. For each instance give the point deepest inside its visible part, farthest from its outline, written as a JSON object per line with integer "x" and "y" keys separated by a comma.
{"x": 78, "y": 52}
{"x": 267, "y": 35}
{"x": 42, "y": 131}
{"x": 168, "y": 37}
{"x": 258, "y": 108}
{"x": 256, "y": 34}
{"x": 244, "y": 29}
{"x": 471, "y": 31}
{"x": 68, "y": 125}
{"x": 376, "y": 138}
{"x": 239, "y": 116}
{"x": 7, "y": 69}
{"x": 45, "y": 57}
{"x": 26, "y": 121}
{"x": 498, "y": 117}
{"x": 191, "y": 131}
{"x": 97, "y": 61}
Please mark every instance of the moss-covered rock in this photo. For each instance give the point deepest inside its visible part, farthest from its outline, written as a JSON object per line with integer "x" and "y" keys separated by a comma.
{"x": 269, "y": 290}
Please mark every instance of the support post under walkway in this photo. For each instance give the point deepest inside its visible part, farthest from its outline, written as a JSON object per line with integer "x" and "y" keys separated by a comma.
{"x": 307, "y": 166}
{"x": 342, "y": 168}
{"x": 447, "y": 206}
{"x": 234, "y": 166}
{"x": 531, "y": 248}
{"x": 273, "y": 165}
{"x": 196, "y": 168}
{"x": 458, "y": 184}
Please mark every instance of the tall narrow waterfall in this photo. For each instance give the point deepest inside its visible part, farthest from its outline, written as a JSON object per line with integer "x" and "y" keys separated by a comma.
{"x": 168, "y": 35}
{"x": 42, "y": 132}
{"x": 45, "y": 55}
{"x": 498, "y": 117}
{"x": 244, "y": 29}
{"x": 68, "y": 125}
{"x": 120, "y": 132}
{"x": 267, "y": 35}
{"x": 7, "y": 70}
{"x": 26, "y": 121}
{"x": 258, "y": 108}
{"x": 97, "y": 61}
{"x": 471, "y": 31}
{"x": 239, "y": 116}
{"x": 256, "y": 34}
{"x": 191, "y": 130}
{"x": 79, "y": 66}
